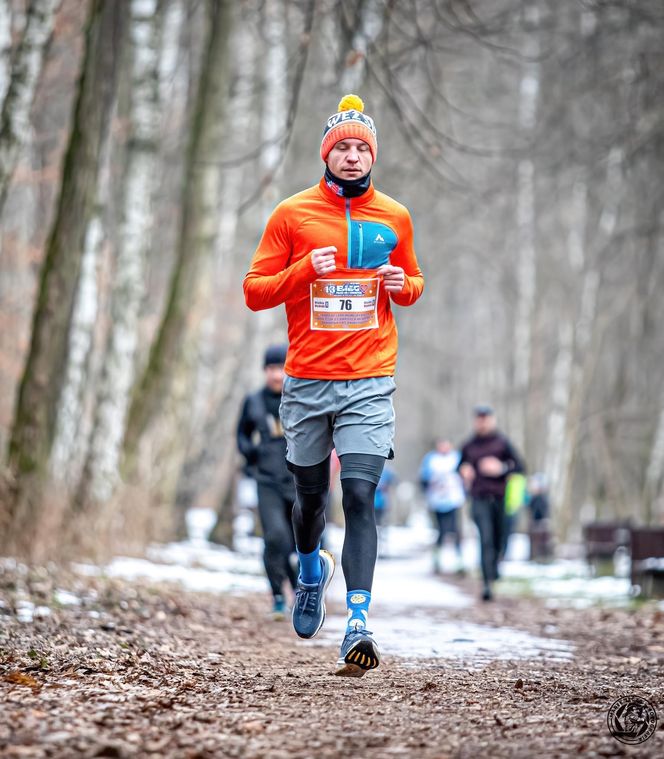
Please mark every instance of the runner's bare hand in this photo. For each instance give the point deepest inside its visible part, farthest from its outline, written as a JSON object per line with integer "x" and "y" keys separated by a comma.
{"x": 490, "y": 466}
{"x": 322, "y": 259}
{"x": 467, "y": 472}
{"x": 393, "y": 277}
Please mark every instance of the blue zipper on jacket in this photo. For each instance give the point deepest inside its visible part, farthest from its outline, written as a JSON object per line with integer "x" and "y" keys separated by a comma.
{"x": 359, "y": 263}
{"x": 350, "y": 238}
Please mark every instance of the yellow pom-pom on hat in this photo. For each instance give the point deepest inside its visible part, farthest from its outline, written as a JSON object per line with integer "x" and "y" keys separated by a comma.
{"x": 351, "y": 103}
{"x": 349, "y": 121}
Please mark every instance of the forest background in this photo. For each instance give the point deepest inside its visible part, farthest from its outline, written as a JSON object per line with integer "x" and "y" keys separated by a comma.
{"x": 143, "y": 143}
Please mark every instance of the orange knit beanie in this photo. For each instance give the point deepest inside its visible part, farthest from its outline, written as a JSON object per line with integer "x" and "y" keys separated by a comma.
{"x": 349, "y": 121}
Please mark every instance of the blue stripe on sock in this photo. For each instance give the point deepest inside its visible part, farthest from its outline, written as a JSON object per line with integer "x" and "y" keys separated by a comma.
{"x": 357, "y": 602}
{"x": 310, "y": 568}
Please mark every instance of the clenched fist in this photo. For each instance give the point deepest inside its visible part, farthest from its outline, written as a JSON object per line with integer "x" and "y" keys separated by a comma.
{"x": 393, "y": 277}
{"x": 322, "y": 259}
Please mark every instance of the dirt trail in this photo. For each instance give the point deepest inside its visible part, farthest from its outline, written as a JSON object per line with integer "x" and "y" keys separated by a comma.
{"x": 138, "y": 671}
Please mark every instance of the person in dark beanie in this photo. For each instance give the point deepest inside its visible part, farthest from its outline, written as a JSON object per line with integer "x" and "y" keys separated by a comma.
{"x": 339, "y": 255}
{"x": 260, "y": 439}
{"x": 487, "y": 459}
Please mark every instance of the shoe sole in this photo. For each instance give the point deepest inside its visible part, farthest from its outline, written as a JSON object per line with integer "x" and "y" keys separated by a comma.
{"x": 361, "y": 658}
{"x": 331, "y": 561}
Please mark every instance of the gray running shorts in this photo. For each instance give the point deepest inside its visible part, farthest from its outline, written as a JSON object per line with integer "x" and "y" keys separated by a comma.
{"x": 353, "y": 416}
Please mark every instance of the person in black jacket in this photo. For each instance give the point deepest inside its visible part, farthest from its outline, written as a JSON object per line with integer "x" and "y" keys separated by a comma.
{"x": 487, "y": 459}
{"x": 261, "y": 441}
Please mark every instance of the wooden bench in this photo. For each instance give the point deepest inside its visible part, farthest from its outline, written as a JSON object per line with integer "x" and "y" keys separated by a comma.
{"x": 601, "y": 541}
{"x": 647, "y": 556}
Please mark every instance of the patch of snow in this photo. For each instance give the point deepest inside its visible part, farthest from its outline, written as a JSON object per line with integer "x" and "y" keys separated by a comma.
{"x": 404, "y": 587}
{"x": 568, "y": 582}
{"x": 417, "y": 636}
{"x": 25, "y": 611}
{"x": 207, "y": 555}
{"x": 560, "y": 569}
{"x": 192, "y": 578}
{"x": 518, "y": 547}
{"x": 65, "y": 598}
{"x": 200, "y": 523}
{"x": 404, "y": 583}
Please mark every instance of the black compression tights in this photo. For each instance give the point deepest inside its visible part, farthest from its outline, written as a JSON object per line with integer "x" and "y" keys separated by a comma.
{"x": 312, "y": 485}
{"x": 359, "y": 476}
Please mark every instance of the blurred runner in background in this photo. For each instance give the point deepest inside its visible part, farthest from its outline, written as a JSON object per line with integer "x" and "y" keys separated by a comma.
{"x": 487, "y": 459}
{"x": 382, "y": 505}
{"x": 445, "y": 495}
{"x": 260, "y": 439}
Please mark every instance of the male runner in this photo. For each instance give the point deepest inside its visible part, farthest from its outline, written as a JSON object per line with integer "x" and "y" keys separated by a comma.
{"x": 338, "y": 254}
{"x": 487, "y": 459}
{"x": 260, "y": 439}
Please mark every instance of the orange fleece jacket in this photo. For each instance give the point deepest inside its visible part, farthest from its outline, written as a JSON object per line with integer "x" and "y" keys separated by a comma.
{"x": 367, "y": 231}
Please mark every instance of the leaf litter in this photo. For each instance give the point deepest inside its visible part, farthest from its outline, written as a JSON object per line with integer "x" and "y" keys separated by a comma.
{"x": 140, "y": 670}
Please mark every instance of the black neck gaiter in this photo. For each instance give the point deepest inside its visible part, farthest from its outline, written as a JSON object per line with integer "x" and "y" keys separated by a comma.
{"x": 347, "y": 188}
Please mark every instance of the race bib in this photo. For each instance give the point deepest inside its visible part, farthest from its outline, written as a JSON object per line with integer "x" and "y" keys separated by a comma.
{"x": 344, "y": 304}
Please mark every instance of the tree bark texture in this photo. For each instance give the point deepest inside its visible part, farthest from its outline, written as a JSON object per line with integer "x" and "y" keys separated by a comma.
{"x": 70, "y": 438}
{"x": 5, "y": 45}
{"x": 526, "y": 231}
{"x": 25, "y": 67}
{"x": 200, "y": 206}
{"x": 101, "y": 471}
{"x": 220, "y": 347}
{"x": 39, "y": 393}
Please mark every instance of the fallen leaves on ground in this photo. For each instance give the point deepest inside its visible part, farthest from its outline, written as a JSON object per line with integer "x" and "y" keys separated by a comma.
{"x": 135, "y": 670}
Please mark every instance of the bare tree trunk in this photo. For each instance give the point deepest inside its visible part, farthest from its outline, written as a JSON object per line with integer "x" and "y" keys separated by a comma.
{"x": 653, "y": 491}
{"x": 200, "y": 201}
{"x": 39, "y": 393}
{"x": 220, "y": 346}
{"x": 223, "y": 268}
{"x": 273, "y": 123}
{"x": 355, "y": 64}
{"x": 582, "y": 367}
{"x": 612, "y": 486}
{"x": 70, "y": 436}
{"x": 559, "y": 454}
{"x": 101, "y": 473}
{"x": 556, "y": 453}
{"x": 526, "y": 272}
{"x": 234, "y": 176}
{"x": 585, "y": 340}
{"x": 263, "y": 323}
{"x": 272, "y": 130}
{"x": 226, "y": 471}
{"x": 26, "y": 66}
{"x": 5, "y": 45}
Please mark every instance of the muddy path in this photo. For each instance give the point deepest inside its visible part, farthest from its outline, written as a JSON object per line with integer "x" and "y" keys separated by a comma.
{"x": 136, "y": 670}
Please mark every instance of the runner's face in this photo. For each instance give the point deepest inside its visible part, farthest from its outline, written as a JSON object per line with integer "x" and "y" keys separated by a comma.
{"x": 350, "y": 159}
{"x": 274, "y": 377}
{"x": 485, "y": 424}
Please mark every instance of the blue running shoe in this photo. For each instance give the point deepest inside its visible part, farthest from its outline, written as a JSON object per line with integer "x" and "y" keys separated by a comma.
{"x": 309, "y": 607}
{"x": 359, "y": 653}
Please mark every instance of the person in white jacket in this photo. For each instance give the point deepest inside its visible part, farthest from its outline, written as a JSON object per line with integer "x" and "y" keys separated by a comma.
{"x": 445, "y": 495}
